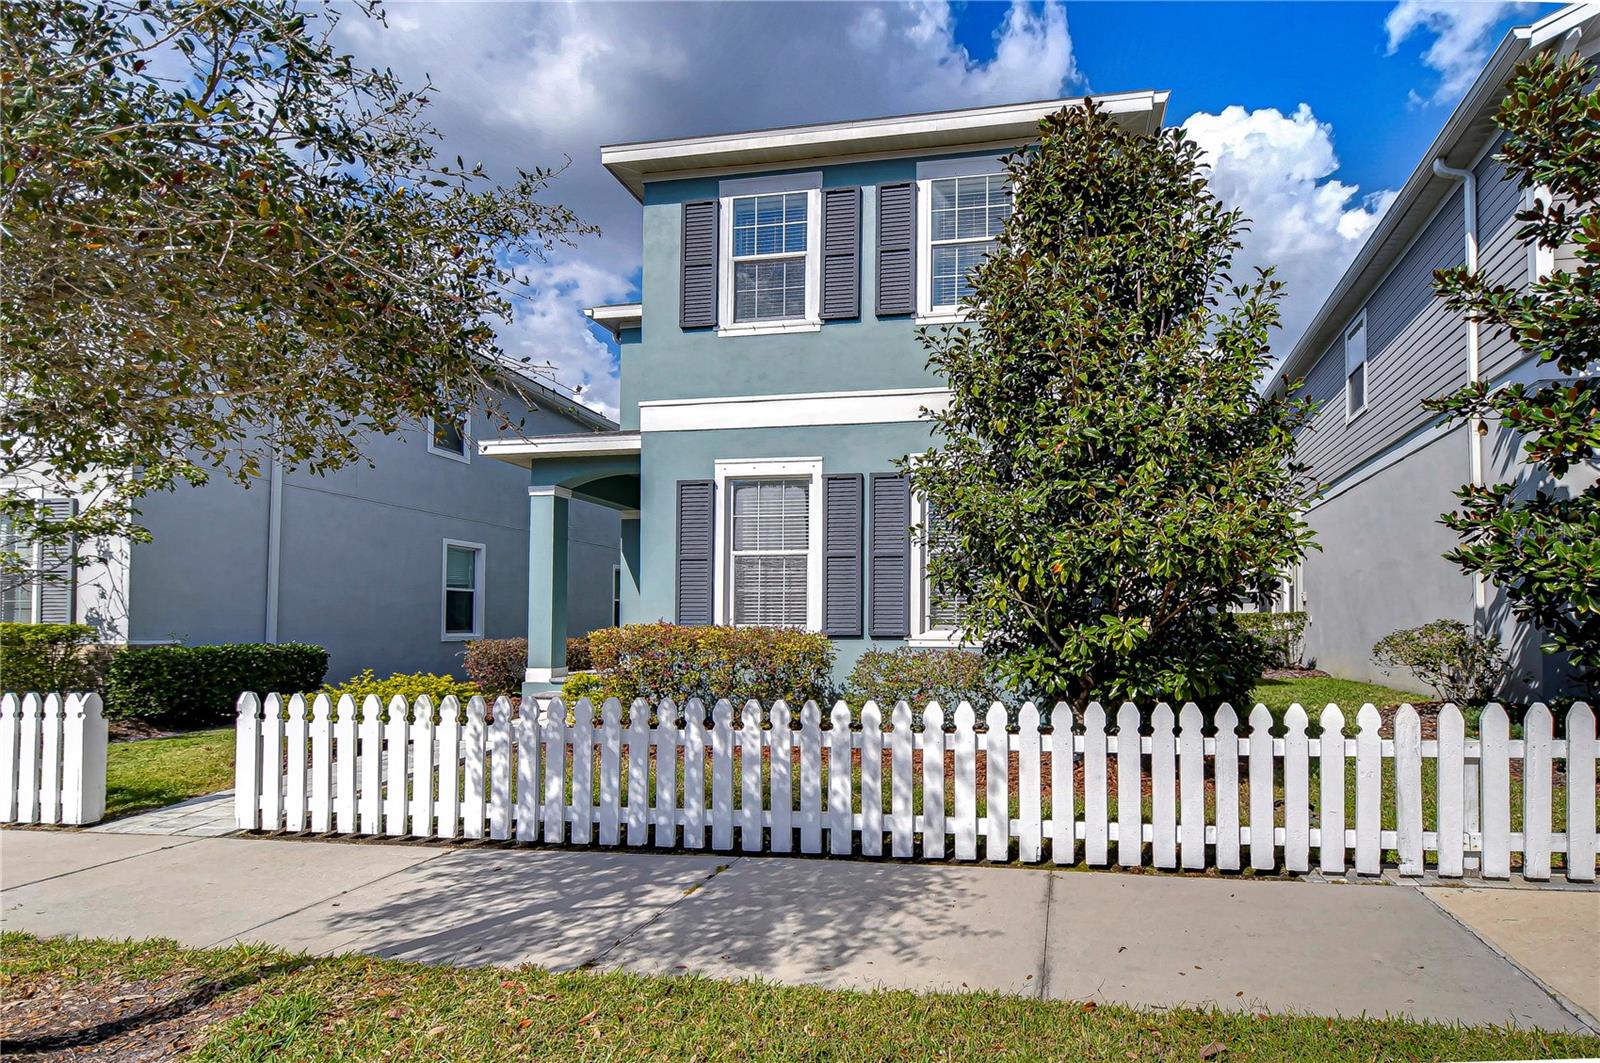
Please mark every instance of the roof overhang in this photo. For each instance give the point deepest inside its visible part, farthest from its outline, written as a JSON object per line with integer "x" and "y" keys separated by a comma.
{"x": 614, "y": 317}
{"x": 1017, "y": 123}
{"x": 527, "y": 452}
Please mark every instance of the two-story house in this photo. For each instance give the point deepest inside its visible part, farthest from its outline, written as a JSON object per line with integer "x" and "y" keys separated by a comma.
{"x": 1381, "y": 344}
{"x": 392, "y": 564}
{"x": 771, "y": 375}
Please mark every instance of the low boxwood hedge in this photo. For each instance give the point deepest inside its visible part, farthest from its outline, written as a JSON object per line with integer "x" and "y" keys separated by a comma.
{"x": 655, "y": 661}
{"x": 44, "y": 658}
{"x": 200, "y": 685}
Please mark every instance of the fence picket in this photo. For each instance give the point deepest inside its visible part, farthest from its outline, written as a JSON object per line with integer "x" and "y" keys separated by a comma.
{"x": 28, "y": 760}
{"x": 638, "y": 739}
{"x": 1369, "y": 791}
{"x": 1225, "y": 772}
{"x": 1296, "y": 791}
{"x": 296, "y": 739}
{"x": 611, "y": 775}
{"x": 997, "y": 785}
{"x": 421, "y": 777}
{"x": 500, "y": 746}
{"x": 839, "y": 789}
{"x": 666, "y": 807}
{"x": 1030, "y": 835}
{"x": 1163, "y": 789}
{"x": 83, "y": 768}
{"x": 527, "y": 736}
{"x": 965, "y": 756}
{"x": 1130, "y": 788}
{"x": 371, "y": 808}
{"x": 933, "y": 821}
{"x": 694, "y": 775}
{"x": 345, "y": 761}
{"x": 247, "y": 767}
{"x": 272, "y": 762}
{"x": 749, "y": 777}
{"x": 810, "y": 778}
{"x": 902, "y": 817}
{"x": 449, "y": 807}
{"x": 1330, "y": 803}
{"x": 1263, "y": 847}
{"x": 1096, "y": 824}
{"x": 581, "y": 813}
{"x": 10, "y": 712}
{"x": 782, "y": 760}
{"x": 553, "y": 732}
{"x": 1191, "y": 788}
{"x": 1536, "y": 785}
{"x": 1408, "y": 789}
{"x": 1494, "y": 731}
{"x": 871, "y": 780}
{"x": 50, "y": 759}
{"x": 722, "y": 776}
{"x": 321, "y": 764}
{"x": 1449, "y": 778}
{"x": 1580, "y": 780}
{"x": 1063, "y": 804}
{"x": 474, "y": 747}
{"x": 395, "y": 767}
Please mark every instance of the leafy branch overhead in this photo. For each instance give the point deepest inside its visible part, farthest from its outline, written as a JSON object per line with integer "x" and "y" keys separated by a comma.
{"x": 222, "y": 241}
{"x": 1110, "y": 481}
{"x": 1540, "y": 540}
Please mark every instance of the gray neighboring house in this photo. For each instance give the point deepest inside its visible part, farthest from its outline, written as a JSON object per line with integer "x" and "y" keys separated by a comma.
{"x": 392, "y": 567}
{"x": 1381, "y": 344}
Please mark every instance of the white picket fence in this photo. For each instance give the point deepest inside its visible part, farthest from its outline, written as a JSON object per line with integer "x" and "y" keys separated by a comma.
{"x": 531, "y": 775}
{"x": 52, "y": 759}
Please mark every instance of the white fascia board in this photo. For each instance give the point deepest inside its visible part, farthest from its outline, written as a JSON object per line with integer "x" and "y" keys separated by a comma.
{"x": 525, "y": 451}
{"x": 893, "y": 406}
{"x": 614, "y": 317}
{"x": 633, "y": 164}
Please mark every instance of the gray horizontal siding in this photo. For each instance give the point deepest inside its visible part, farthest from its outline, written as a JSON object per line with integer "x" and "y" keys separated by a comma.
{"x": 1502, "y": 257}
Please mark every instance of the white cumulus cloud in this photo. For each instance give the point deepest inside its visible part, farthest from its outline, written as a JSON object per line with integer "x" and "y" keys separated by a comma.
{"x": 1462, "y": 38}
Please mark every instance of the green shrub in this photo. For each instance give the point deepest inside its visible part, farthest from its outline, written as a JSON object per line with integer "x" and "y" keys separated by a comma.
{"x": 497, "y": 665}
{"x": 40, "y": 658}
{"x": 919, "y": 676}
{"x": 589, "y": 685}
{"x": 410, "y": 686}
{"x": 197, "y": 685}
{"x": 1458, "y": 663}
{"x": 655, "y": 661}
{"x": 1279, "y": 634}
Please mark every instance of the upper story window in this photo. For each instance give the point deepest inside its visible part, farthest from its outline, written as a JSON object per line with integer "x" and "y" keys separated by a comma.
{"x": 1355, "y": 367}
{"x": 771, "y": 269}
{"x": 448, "y": 438}
{"x": 962, "y": 204}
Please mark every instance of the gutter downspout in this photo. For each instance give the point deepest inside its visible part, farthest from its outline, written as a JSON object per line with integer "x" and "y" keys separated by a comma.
{"x": 1479, "y": 428}
{"x": 274, "y": 548}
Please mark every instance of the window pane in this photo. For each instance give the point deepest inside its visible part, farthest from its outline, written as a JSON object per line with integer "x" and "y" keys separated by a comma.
{"x": 944, "y": 608}
{"x": 460, "y": 564}
{"x": 768, "y": 290}
{"x": 951, "y": 265}
{"x": 771, "y": 514}
{"x": 769, "y": 589}
{"x": 448, "y": 435}
{"x": 458, "y": 612}
{"x": 1356, "y": 387}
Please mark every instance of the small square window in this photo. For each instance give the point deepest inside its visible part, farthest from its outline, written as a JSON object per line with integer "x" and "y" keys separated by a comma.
{"x": 448, "y": 438}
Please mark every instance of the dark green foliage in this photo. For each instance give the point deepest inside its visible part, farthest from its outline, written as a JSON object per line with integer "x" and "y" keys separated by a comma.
{"x": 1543, "y": 548}
{"x": 41, "y": 658}
{"x": 1113, "y": 482}
{"x": 192, "y": 686}
{"x": 1279, "y": 635}
{"x": 655, "y": 661}
{"x": 919, "y": 676}
{"x": 1459, "y": 664}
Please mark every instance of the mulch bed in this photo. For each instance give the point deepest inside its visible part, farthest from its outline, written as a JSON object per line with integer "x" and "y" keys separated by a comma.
{"x": 129, "y": 1021}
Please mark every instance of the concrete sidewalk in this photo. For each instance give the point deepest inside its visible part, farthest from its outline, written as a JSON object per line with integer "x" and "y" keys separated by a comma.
{"x": 1146, "y": 940}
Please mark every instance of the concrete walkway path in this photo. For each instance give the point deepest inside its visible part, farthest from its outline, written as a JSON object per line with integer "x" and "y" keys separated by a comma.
{"x": 1146, "y": 940}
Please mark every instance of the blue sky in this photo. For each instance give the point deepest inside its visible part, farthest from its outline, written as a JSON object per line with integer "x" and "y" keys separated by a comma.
{"x": 1310, "y": 114}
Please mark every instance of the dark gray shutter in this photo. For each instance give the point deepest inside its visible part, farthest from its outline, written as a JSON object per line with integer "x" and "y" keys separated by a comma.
{"x": 841, "y": 253}
{"x": 897, "y": 248}
{"x": 698, "y": 305}
{"x": 57, "y": 572}
{"x": 697, "y": 505}
{"x": 890, "y": 545}
{"x": 841, "y": 555}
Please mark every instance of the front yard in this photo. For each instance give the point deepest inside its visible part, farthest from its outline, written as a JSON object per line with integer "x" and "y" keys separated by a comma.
{"x": 154, "y": 772}
{"x": 250, "y": 1003}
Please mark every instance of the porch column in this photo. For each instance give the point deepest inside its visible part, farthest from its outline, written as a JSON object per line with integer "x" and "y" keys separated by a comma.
{"x": 630, "y": 567}
{"x": 547, "y": 589}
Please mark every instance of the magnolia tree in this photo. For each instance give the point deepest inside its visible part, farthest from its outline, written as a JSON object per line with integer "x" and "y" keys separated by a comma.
{"x": 1109, "y": 481}
{"x": 224, "y": 241}
{"x": 1542, "y": 548}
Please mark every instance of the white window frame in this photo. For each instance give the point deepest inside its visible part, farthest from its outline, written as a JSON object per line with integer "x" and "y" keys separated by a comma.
{"x": 808, "y": 469}
{"x": 927, "y": 173}
{"x": 923, "y": 633}
{"x": 478, "y": 567}
{"x": 35, "y": 585}
{"x": 1357, "y": 323}
{"x": 727, "y": 192}
{"x": 1541, "y": 259}
{"x": 465, "y": 457}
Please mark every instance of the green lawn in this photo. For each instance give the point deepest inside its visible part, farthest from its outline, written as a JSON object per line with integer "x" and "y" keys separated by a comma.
{"x": 161, "y": 771}
{"x": 260, "y": 1004}
{"x": 1315, "y": 694}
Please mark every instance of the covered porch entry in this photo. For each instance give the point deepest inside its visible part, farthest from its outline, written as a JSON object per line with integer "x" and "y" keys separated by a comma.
{"x": 597, "y": 467}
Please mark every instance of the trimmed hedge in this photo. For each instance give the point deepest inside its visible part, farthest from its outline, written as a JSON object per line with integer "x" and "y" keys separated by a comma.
{"x": 919, "y": 676}
{"x": 200, "y": 685}
{"x": 41, "y": 658}
{"x": 655, "y": 661}
{"x": 409, "y": 685}
{"x": 1279, "y": 635}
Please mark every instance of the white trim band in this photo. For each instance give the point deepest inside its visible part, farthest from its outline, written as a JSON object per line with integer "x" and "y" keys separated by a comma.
{"x": 900, "y": 405}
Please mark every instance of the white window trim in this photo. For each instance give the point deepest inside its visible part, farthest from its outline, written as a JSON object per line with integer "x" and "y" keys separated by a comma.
{"x": 727, "y": 192}
{"x": 445, "y": 635}
{"x": 1541, "y": 259}
{"x": 768, "y": 469}
{"x": 922, "y": 634}
{"x": 927, "y": 173}
{"x": 465, "y": 457}
{"x": 1360, "y": 320}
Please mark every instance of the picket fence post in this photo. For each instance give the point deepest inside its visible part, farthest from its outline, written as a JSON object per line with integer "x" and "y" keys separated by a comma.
{"x": 1451, "y": 793}
{"x": 871, "y": 780}
{"x": 1263, "y": 848}
{"x": 84, "y": 774}
{"x": 1063, "y": 803}
{"x": 933, "y": 822}
{"x": 448, "y": 810}
{"x": 1030, "y": 835}
{"x": 1494, "y": 773}
{"x": 1296, "y": 791}
{"x": 1097, "y": 830}
{"x": 782, "y": 761}
{"x": 902, "y": 786}
{"x": 526, "y": 730}
{"x": 1163, "y": 789}
{"x": 749, "y": 779}
{"x": 694, "y": 774}
{"x": 810, "y": 778}
{"x": 553, "y": 730}
{"x": 50, "y": 760}
{"x": 10, "y": 724}
{"x": 582, "y": 812}
{"x": 839, "y": 788}
{"x": 321, "y": 764}
{"x": 1330, "y": 815}
{"x": 965, "y": 756}
{"x": 1580, "y": 780}
{"x": 667, "y": 775}
{"x": 296, "y": 750}
{"x": 1225, "y": 771}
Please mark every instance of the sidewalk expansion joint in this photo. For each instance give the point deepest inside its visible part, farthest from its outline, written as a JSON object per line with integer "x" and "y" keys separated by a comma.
{"x": 1044, "y": 952}
{"x": 597, "y": 960}
{"x": 108, "y": 863}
